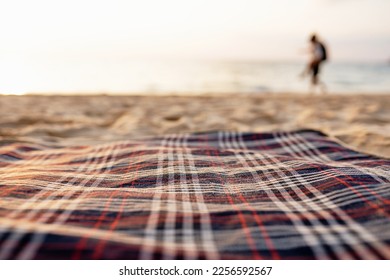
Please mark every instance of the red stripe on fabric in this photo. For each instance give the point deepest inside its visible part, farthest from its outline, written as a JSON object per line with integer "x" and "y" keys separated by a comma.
{"x": 83, "y": 242}
{"x": 100, "y": 246}
{"x": 245, "y": 228}
{"x": 267, "y": 239}
{"x": 384, "y": 200}
{"x": 355, "y": 191}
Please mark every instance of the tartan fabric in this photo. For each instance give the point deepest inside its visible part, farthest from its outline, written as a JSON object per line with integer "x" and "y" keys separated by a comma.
{"x": 220, "y": 195}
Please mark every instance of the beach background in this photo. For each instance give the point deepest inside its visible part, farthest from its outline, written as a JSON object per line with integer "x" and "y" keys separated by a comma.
{"x": 186, "y": 76}
{"x": 86, "y": 72}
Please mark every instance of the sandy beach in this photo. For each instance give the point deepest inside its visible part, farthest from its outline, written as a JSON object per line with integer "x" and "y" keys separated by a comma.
{"x": 362, "y": 122}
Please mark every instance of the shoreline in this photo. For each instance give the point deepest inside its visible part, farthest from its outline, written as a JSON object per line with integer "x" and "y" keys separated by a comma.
{"x": 198, "y": 94}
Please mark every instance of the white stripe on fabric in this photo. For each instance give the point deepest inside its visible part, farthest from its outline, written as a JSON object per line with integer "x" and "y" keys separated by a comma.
{"x": 311, "y": 239}
{"x": 208, "y": 242}
{"x": 170, "y": 221}
{"x": 38, "y": 238}
{"x": 150, "y": 236}
{"x": 14, "y": 238}
{"x": 364, "y": 235}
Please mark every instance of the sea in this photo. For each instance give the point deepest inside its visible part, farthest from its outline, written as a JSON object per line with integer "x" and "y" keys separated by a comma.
{"x": 124, "y": 76}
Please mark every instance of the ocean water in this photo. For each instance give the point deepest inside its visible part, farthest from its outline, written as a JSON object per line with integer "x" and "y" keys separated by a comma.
{"x": 158, "y": 77}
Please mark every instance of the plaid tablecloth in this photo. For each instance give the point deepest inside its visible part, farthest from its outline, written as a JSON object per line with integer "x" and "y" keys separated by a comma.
{"x": 221, "y": 195}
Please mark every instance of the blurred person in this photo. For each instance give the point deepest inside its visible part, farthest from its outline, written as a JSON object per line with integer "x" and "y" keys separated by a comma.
{"x": 318, "y": 54}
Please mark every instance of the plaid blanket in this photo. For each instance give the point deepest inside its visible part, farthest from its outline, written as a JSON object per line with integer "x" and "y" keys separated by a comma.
{"x": 220, "y": 195}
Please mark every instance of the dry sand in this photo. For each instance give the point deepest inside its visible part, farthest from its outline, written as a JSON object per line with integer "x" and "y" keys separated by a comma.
{"x": 360, "y": 121}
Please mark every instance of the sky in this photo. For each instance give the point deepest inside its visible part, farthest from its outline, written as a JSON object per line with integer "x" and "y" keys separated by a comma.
{"x": 88, "y": 45}
{"x": 354, "y": 30}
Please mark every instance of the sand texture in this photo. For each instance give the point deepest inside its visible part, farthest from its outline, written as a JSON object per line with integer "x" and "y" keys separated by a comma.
{"x": 360, "y": 121}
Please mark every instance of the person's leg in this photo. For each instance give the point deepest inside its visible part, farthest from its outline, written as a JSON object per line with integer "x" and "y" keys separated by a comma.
{"x": 314, "y": 77}
{"x": 320, "y": 83}
{"x": 314, "y": 80}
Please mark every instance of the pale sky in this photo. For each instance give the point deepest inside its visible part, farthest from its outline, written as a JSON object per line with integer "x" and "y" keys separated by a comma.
{"x": 200, "y": 29}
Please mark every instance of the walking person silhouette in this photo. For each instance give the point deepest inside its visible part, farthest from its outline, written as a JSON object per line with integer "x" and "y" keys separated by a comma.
{"x": 318, "y": 55}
